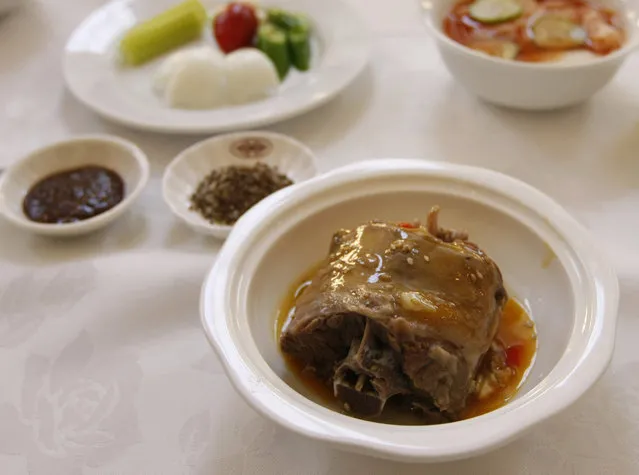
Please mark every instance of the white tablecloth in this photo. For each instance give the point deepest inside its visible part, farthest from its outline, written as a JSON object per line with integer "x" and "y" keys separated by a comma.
{"x": 103, "y": 366}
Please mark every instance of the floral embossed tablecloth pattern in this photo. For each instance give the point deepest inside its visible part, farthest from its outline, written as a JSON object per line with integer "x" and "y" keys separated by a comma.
{"x": 103, "y": 366}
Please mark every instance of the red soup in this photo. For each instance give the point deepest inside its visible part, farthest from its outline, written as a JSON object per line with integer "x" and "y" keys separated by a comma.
{"x": 534, "y": 30}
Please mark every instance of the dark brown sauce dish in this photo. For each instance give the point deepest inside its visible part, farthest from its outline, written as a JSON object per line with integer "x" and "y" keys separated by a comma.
{"x": 74, "y": 195}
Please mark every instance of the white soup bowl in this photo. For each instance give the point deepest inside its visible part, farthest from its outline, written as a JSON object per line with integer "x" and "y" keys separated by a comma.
{"x": 549, "y": 264}
{"x": 530, "y": 86}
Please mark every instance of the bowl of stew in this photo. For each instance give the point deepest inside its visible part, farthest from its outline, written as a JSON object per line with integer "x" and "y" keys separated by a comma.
{"x": 410, "y": 310}
{"x": 533, "y": 54}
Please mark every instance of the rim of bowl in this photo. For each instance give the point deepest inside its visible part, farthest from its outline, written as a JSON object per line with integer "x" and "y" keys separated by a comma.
{"x": 129, "y": 147}
{"x": 285, "y": 406}
{"x": 632, "y": 22}
{"x": 222, "y": 229}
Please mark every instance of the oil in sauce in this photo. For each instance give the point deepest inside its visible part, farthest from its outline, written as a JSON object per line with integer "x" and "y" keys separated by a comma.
{"x": 518, "y": 336}
{"x": 516, "y": 333}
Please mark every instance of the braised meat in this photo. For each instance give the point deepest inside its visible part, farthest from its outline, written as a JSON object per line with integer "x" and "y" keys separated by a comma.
{"x": 399, "y": 310}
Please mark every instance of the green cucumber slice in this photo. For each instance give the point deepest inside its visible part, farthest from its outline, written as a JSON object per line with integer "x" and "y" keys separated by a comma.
{"x": 300, "y": 46}
{"x": 289, "y": 21}
{"x": 553, "y": 31}
{"x": 495, "y": 11}
{"x": 497, "y": 48}
{"x": 273, "y": 43}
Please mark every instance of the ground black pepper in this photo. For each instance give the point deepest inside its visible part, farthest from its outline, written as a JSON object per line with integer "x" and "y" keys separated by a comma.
{"x": 227, "y": 193}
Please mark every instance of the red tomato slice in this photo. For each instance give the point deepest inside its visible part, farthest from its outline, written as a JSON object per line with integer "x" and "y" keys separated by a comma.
{"x": 514, "y": 355}
{"x": 235, "y": 27}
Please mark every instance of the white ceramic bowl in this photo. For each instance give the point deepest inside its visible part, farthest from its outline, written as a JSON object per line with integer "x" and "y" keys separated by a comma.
{"x": 548, "y": 261}
{"x": 531, "y": 86}
{"x": 119, "y": 155}
{"x": 189, "y": 168}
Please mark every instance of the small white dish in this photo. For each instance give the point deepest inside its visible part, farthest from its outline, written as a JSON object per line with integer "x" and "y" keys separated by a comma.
{"x": 121, "y": 156}
{"x": 549, "y": 264}
{"x": 340, "y": 50}
{"x": 189, "y": 168}
{"x": 530, "y": 86}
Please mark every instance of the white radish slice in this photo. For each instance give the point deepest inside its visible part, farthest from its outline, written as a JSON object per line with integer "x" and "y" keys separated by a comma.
{"x": 199, "y": 83}
{"x": 251, "y": 76}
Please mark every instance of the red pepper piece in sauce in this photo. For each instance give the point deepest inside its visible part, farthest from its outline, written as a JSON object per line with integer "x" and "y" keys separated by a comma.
{"x": 514, "y": 355}
{"x": 407, "y": 225}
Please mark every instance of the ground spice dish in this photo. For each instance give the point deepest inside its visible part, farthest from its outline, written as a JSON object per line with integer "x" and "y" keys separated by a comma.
{"x": 227, "y": 193}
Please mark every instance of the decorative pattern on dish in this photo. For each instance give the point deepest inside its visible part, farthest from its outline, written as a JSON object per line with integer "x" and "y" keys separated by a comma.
{"x": 251, "y": 148}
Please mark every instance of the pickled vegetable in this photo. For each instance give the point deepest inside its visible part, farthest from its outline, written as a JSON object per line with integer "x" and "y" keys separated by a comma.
{"x": 287, "y": 20}
{"x": 297, "y": 28}
{"x": 300, "y": 48}
{"x": 173, "y": 28}
{"x": 273, "y": 42}
{"x": 495, "y": 11}
{"x": 557, "y": 32}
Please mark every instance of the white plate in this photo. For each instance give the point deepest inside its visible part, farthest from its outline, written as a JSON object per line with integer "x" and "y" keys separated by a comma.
{"x": 185, "y": 172}
{"x": 92, "y": 73}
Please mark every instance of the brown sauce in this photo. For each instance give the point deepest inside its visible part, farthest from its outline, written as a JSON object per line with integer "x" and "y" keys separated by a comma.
{"x": 462, "y": 28}
{"x": 516, "y": 335}
{"x": 73, "y": 195}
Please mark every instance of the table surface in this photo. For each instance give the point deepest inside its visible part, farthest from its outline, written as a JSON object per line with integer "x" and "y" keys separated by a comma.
{"x": 103, "y": 366}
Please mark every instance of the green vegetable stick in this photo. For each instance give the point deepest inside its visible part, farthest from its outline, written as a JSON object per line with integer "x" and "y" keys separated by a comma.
{"x": 287, "y": 20}
{"x": 300, "y": 46}
{"x": 273, "y": 43}
{"x": 168, "y": 30}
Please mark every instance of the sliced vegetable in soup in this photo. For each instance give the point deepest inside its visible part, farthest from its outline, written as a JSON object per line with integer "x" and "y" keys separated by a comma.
{"x": 535, "y": 30}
